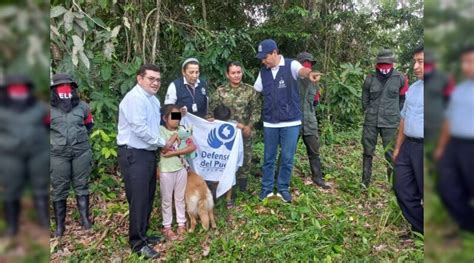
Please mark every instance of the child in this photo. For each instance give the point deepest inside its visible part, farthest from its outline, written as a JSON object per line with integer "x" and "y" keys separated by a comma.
{"x": 223, "y": 113}
{"x": 173, "y": 174}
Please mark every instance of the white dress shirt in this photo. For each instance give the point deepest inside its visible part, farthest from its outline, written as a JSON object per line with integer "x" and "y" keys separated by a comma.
{"x": 139, "y": 120}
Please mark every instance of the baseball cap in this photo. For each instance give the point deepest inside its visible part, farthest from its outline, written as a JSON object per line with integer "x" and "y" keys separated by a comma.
{"x": 265, "y": 47}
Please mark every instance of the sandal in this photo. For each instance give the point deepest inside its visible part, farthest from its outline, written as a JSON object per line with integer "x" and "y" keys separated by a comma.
{"x": 181, "y": 230}
{"x": 169, "y": 234}
{"x": 230, "y": 204}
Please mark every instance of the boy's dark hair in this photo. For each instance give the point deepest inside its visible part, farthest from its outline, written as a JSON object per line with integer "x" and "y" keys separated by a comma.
{"x": 418, "y": 49}
{"x": 467, "y": 49}
{"x": 142, "y": 70}
{"x": 222, "y": 113}
{"x": 167, "y": 109}
{"x": 233, "y": 63}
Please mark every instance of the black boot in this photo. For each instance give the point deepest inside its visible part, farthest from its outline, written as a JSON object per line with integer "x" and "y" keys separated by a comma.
{"x": 60, "y": 217}
{"x": 367, "y": 170}
{"x": 389, "y": 173}
{"x": 83, "y": 207}
{"x": 12, "y": 213}
{"x": 42, "y": 210}
{"x": 242, "y": 182}
{"x": 317, "y": 174}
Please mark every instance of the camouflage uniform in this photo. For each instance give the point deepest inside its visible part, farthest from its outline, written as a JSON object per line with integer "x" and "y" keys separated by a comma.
{"x": 24, "y": 153}
{"x": 381, "y": 102}
{"x": 71, "y": 153}
{"x": 309, "y": 129}
{"x": 246, "y": 107}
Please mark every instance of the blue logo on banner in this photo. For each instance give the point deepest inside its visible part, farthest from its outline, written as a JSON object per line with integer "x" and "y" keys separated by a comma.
{"x": 223, "y": 134}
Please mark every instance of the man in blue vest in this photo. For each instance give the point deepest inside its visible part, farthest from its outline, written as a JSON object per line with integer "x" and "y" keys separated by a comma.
{"x": 189, "y": 91}
{"x": 277, "y": 81}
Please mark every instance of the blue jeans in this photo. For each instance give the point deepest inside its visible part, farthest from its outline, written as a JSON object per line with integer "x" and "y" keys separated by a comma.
{"x": 287, "y": 139}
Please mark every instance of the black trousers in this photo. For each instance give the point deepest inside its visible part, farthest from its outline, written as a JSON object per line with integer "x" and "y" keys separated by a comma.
{"x": 408, "y": 182}
{"x": 312, "y": 146}
{"x": 138, "y": 169}
{"x": 456, "y": 181}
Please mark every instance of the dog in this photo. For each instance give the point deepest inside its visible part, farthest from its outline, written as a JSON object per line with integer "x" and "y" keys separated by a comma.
{"x": 199, "y": 202}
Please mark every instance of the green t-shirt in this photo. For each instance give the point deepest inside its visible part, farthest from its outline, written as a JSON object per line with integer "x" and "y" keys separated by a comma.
{"x": 170, "y": 164}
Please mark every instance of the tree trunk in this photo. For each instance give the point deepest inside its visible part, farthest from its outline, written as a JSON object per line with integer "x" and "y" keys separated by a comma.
{"x": 156, "y": 39}
{"x": 204, "y": 12}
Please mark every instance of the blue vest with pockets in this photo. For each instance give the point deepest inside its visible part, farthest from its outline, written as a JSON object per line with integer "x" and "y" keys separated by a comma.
{"x": 184, "y": 97}
{"x": 281, "y": 101}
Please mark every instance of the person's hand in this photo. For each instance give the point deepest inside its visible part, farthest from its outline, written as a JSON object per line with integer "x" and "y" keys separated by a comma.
{"x": 164, "y": 150}
{"x": 314, "y": 76}
{"x": 210, "y": 119}
{"x": 183, "y": 110}
{"x": 438, "y": 153}
{"x": 246, "y": 131}
{"x": 169, "y": 143}
{"x": 240, "y": 125}
{"x": 395, "y": 154}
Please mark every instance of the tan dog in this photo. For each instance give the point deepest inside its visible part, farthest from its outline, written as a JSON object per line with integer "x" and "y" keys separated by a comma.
{"x": 199, "y": 202}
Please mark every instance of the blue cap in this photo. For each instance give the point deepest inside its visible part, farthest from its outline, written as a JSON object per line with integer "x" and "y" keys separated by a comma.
{"x": 265, "y": 47}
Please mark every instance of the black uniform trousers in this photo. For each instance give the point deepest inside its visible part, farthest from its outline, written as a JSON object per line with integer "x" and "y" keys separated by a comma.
{"x": 138, "y": 169}
{"x": 408, "y": 182}
{"x": 456, "y": 181}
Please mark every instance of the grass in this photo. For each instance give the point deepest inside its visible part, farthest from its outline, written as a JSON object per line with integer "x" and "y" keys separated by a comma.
{"x": 343, "y": 224}
{"x": 438, "y": 226}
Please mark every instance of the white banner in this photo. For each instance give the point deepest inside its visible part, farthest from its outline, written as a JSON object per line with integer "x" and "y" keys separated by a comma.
{"x": 219, "y": 150}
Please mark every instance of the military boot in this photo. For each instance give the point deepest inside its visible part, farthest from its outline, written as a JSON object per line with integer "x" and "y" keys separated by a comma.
{"x": 367, "y": 170}
{"x": 59, "y": 217}
{"x": 83, "y": 207}
{"x": 12, "y": 213}
{"x": 42, "y": 210}
{"x": 317, "y": 174}
{"x": 389, "y": 173}
{"x": 242, "y": 182}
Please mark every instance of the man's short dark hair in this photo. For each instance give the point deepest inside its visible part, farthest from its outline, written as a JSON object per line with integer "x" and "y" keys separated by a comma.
{"x": 142, "y": 70}
{"x": 222, "y": 113}
{"x": 418, "y": 49}
{"x": 467, "y": 49}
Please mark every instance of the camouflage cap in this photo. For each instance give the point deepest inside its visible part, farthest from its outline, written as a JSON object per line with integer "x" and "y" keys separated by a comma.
{"x": 62, "y": 78}
{"x": 305, "y": 56}
{"x": 17, "y": 79}
{"x": 385, "y": 55}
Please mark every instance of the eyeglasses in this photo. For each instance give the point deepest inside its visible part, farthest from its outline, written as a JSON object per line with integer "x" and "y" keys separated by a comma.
{"x": 152, "y": 80}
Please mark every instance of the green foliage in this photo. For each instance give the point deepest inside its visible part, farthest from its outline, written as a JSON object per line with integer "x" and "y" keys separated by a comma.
{"x": 103, "y": 44}
{"x": 340, "y": 105}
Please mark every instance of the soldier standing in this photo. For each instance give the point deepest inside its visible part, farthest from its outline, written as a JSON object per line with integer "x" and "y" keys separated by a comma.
{"x": 383, "y": 94}
{"x": 24, "y": 151}
{"x": 246, "y": 106}
{"x": 309, "y": 131}
{"x": 439, "y": 88}
{"x": 71, "y": 154}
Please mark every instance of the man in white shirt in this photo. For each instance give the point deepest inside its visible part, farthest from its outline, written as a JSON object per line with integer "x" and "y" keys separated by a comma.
{"x": 138, "y": 139}
{"x": 281, "y": 114}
